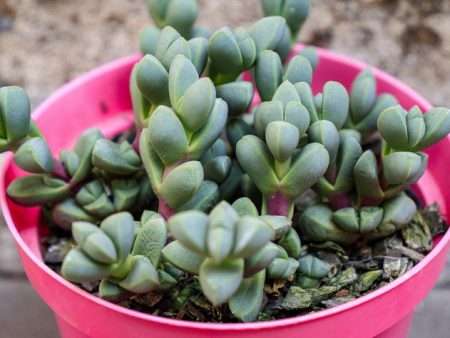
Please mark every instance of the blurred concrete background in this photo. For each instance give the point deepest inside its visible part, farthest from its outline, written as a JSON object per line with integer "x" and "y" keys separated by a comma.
{"x": 45, "y": 43}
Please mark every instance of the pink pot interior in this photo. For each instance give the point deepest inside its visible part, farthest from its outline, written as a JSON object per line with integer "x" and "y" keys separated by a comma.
{"x": 101, "y": 99}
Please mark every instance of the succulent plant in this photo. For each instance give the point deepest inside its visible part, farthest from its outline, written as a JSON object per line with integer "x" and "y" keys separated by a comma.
{"x": 228, "y": 251}
{"x": 231, "y": 53}
{"x": 180, "y": 14}
{"x": 281, "y": 169}
{"x": 365, "y": 105}
{"x": 294, "y": 11}
{"x": 312, "y": 270}
{"x": 227, "y": 188}
{"x": 122, "y": 254}
{"x": 176, "y": 138}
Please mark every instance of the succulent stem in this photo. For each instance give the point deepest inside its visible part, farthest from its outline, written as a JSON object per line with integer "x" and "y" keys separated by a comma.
{"x": 135, "y": 143}
{"x": 59, "y": 171}
{"x": 164, "y": 209}
{"x": 339, "y": 201}
{"x": 278, "y": 204}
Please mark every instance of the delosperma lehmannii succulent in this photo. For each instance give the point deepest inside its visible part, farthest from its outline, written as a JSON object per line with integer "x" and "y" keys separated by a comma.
{"x": 216, "y": 192}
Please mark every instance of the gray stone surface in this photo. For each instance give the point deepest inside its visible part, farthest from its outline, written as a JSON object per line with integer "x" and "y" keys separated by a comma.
{"x": 22, "y": 313}
{"x": 432, "y": 317}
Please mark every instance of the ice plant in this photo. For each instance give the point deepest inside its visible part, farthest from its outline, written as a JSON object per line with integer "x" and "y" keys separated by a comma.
{"x": 216, "y": 201}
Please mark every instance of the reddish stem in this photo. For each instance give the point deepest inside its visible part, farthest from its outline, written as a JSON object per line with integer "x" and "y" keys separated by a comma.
{"x": 165, "y": 210}
{"x": 135, "y": 143}
{"x": 278, "y": 204}
{"x": 340, "y": 201}
{"x": 59, "y": 171}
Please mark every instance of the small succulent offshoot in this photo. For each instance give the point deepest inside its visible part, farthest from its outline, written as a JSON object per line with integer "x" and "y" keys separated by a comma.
{"x": 250, "y": 189}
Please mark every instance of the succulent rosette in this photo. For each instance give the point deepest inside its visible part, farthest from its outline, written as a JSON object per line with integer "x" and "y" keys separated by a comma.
{"x": 252, "y": 191}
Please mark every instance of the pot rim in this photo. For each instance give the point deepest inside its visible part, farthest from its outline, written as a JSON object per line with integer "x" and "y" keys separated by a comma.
{"x": 278, "y": 323}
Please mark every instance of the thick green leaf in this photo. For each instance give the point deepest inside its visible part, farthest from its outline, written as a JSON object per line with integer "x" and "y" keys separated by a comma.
{"x": 221, "y": 233}
{"x": 306, "y": 169}
{"x": 349, "y": 153}
{"x": 217, "y": 169}
{"x": 291, "y": 243}
{"x": 393, "y": 128}
{"x": 265, "y": 113}
{"x": 142, "y": 277}
{"x": 368, "y": 125}
{"x": 295, "y": 12}
{"x": 251, "y": 235}
{"x": 182, "y": 258}
{"x": 437, "y": 123}
{"x": 148, "y": 39}
{"x": 220, "y": 281}
{"x": 261, "y": 259}
{"x": 199, "y": 53}
{"x": 245, "y": 206}
{"x": 37, "y": 190}
{"x": 150, "y": 240}
{"x": 181, "y": 15}
{"x": 190, "y": 229}
{"x": 286, "y": 93}
{"x": 182, "y": 74}
{"x": 307, "y": 98}
{"x": 268, "y": 74}
{"x": 400, "y": 167}
{"x": 347, "y": 219}
{"x": 297, "y": 114}
{"x": 181, "y": 184}
{"x": 224, "y": 52}
{"x": 298, "y": 69}
{"x": 152, "y": 79}
{"x": 99, "y": 247}
{"x": 82, "y": 230}
{"x": 210, "y": 132}
{"x": 167, "y": 135}
{"x": 311, "y": 55}
{"x": 14, "y": 113}
{"x": 247, "y": 47}
{"x": 111, "y": 291}
{"x": 363, "y": 95}
{"x": 326, "y": 133}
{"x": 196, "y": 104}
{"x": 121, "y": 229}
{"x": 34, "y": 156}
{"x": 237, "y": 95}
{"x": 267, "y": 32}
{"x": 70, "y": 161}
{"x": 206, "y": 197}
{"x": 370, "y": 218}
{"x": 335, "y": 104}
{"x": 416, "y": 126}
{"x": 125, "y": 194}
{"x": 317, "y": 225}
{"x": 313, "y": 267}
{"x": 279, "y": 224}
{"x": 366, "y": 177}
{"x": 282, "y": 268}
{"x": 150, "y": 159}
{"x": 107, "y": 156}
{"x": 67, "y": 212}
{"x": 282, "y": 139}
{"x": 79, "y": 268}
{"x": 246, "y": 303}
{"x": 256, "y": 160}
{"x": 83, "y": 148}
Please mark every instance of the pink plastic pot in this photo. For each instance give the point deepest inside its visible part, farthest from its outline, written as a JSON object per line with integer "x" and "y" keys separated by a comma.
{"x": 101, "y": 99}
